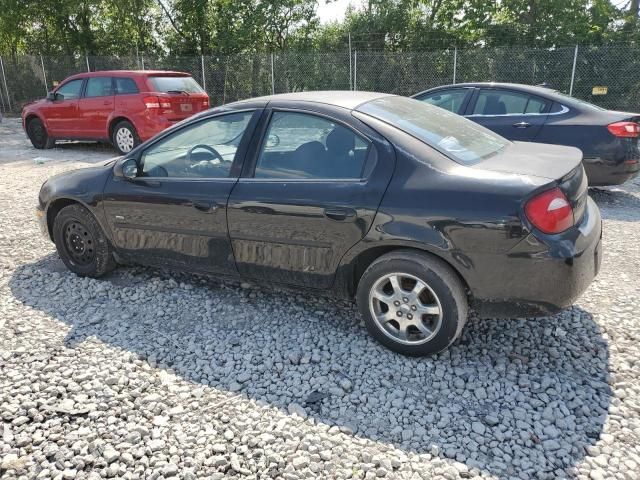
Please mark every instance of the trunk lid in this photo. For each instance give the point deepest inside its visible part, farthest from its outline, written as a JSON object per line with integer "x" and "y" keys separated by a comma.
{"x": 561, "y": 165}
{"x": 537, "y": 159}
{"x": 185, "y": 105}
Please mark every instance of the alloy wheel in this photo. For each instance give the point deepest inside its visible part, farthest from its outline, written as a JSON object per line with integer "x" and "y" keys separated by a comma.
{"x": 405, "y": 308}
{"x": 124, "y": 139}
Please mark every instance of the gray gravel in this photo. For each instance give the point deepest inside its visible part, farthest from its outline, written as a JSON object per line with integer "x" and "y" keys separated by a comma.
{"x": 151, "y": 374}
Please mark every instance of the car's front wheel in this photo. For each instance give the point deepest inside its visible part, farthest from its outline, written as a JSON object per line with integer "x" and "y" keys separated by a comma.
{"x": 81, "y": 243}
{"x": 124, "y": 137}
{"x": 38, "y": 134}
{"x": 412, "y": 303}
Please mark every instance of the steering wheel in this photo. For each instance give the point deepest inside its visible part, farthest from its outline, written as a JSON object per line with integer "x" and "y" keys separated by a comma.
{"x": 208, "y": 148}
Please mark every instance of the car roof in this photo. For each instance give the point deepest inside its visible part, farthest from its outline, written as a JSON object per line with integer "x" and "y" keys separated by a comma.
{"x": 128, "y": 73}
{"x": 339, "y": 98}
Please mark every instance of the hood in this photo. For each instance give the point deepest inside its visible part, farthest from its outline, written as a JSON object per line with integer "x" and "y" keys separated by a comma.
{"x": 533, "y": 159}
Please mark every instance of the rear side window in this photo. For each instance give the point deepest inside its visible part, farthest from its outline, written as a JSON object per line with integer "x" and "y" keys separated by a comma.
{"x": 125, "y": 86}
{"x": 502, "y": 102}
{"x": 301, "y": 145}
{"x": 70, "y": 90}
{"x": 448, "y": 99}
{"x": 99, "y": 87}
{"x": 175, "y": 85}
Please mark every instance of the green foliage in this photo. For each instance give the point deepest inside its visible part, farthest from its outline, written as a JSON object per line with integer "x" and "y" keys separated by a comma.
{"x": 225, "y": 27}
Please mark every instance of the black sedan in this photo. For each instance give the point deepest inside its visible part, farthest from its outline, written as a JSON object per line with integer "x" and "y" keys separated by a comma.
{"x": 608, "y": 139}
{"x": 413, "y": 211}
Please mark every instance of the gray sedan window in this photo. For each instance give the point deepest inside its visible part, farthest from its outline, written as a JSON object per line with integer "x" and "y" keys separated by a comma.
{"x": 448, "y": 99}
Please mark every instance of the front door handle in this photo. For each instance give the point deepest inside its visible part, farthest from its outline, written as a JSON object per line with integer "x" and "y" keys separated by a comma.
{"x": 522, "y": 125}
{"x": 340, "y": 214}
{"x": 206, "y": 207}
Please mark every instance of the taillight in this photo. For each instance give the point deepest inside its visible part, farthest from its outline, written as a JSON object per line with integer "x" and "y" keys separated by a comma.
{"x": 624, "y": 129}
{"x": 550, "y": 211}
{"x": 156, "y": 102}
{"x": 205, "y": 103}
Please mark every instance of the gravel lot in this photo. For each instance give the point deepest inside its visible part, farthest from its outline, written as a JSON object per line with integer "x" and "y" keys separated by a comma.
{"x": 149, "y": 374}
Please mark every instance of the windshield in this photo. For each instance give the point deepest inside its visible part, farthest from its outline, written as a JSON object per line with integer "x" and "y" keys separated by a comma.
{"x": 460, "y": 139}
{"x": 175, "y": 85}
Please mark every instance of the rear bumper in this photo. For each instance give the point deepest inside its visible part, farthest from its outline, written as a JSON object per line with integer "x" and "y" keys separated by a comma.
{"x": 601, "y": 173}
{"x": 542, "y": 276}
{"x": 150, "y": 126}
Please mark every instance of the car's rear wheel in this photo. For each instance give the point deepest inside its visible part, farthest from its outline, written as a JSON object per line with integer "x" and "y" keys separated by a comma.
{"x": 413, "y": 303}
{"x": 81, "y": 243}
{"x": 38, "y": 134}
{"x": 124, "y": 137}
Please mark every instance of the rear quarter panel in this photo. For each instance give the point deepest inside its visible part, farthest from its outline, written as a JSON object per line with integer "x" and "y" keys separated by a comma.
{"x": 465, "y": 216}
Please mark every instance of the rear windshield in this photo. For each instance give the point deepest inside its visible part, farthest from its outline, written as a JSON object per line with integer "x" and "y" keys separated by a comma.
{"x": 578, "y": 102}
{"x": 460, "y": 139}
{"x": 175, "y": 85}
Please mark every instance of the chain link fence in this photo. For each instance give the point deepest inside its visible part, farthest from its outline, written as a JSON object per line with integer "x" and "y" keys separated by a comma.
{"x": 575, "y": 70}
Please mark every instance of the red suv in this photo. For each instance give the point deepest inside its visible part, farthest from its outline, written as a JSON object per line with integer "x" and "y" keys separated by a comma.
{"x": 122, "y": 107}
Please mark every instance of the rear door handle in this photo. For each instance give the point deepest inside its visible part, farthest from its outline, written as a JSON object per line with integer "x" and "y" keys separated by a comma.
{"x": 522, "y": 125}
{"x": 340, "y": 214}
{"x": 206, "y": 207}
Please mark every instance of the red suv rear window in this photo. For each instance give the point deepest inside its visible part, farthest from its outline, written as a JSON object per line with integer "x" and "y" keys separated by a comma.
{"x": 175, "y": 85}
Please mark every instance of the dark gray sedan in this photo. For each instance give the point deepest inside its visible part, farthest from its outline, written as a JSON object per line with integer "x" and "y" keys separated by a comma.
{"x": 608, "y": 139}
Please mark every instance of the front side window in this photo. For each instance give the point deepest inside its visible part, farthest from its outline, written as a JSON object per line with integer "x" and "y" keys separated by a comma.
{"x": 125, "y": 86}
{"x": 502, "y": 102}
{"x": 70, "y": 90}
{"x": 301, "y": 145}
{"x": 448, "y": 99}
{"x": 99, "y": 87}
{"x": 206, "y": 149}
{"x": 462, "y": 140}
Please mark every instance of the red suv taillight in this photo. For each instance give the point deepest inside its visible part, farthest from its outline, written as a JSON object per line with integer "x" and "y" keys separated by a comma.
{"x": 156, "y": 102}
{"x": 624, "y": 129}
{"x": 205, "y": 103}
{"x": 550, "y": 211}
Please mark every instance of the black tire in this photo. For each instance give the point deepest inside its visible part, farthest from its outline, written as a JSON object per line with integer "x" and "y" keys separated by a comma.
{"x": 81, "y": 243}
{"x": 37, "y": 133}
{"x": 444, "y": 288}
{"x": 131, "y": 131}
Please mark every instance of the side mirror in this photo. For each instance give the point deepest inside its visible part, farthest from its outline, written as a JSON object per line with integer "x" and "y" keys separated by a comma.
{"x": 51, "y": 96}
{"x": 127, "y": 168}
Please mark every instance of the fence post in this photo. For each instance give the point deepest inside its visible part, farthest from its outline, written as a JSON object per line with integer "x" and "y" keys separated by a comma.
{"x": 44, "y": 73}
{"x": 350, "y": 67}
{"x": 142, "y": 61}
{"x": 355, "y": 70}
{"x": 87, "y": 59}
{"x": 455, "y": 63}
{"x": 273, "y": 81}
{"x": 204, "y": 78}
{"x": 4, "y": 78}
{"x": 224, "y": 82}
{"x": 573, "y": 70}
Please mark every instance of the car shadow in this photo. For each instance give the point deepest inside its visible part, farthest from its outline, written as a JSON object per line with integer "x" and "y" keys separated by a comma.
{"x": 541, "y": 409}
{"x": 616, "y": 204}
